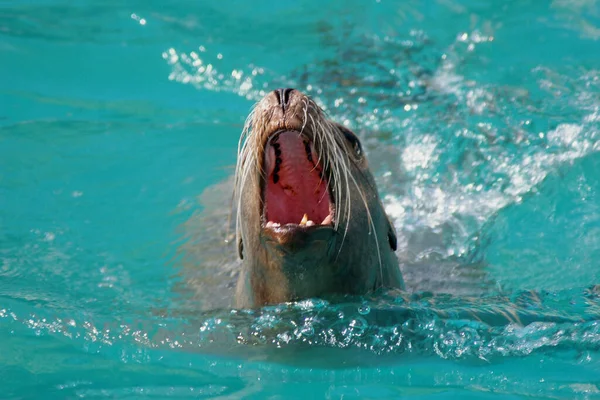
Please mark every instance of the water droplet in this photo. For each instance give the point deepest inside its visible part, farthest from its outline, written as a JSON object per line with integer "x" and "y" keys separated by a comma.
{"x": 308, "y": 330}
{"x": 357, "y": 327}
{"x": 304, "y": 331}
{"x": 364, "y": 309}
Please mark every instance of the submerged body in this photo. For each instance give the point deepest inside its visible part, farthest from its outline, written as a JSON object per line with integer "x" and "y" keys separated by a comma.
{"x": 309, "y": 219}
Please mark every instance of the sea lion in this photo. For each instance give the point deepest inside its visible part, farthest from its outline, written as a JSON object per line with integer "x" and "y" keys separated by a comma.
{"x": 309, "y": 219}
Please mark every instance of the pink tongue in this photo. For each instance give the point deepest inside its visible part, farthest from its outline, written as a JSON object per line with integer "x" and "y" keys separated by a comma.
{"x": 295, "y": 187}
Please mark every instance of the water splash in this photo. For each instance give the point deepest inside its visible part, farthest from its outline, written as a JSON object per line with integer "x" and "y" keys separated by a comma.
{"x": 485, "y": 328}
{"x": 449, "y": 149}
{"x": 204, "y": 70}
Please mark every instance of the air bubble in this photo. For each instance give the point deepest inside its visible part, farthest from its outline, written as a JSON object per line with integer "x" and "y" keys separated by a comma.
{"x": 364, "y": 309}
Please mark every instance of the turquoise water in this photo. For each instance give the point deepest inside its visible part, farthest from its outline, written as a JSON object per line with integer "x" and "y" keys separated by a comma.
{"x": 119, "y": 124}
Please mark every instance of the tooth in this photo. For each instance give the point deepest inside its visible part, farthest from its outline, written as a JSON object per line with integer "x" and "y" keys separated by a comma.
{"x": 309, "y": 223}
{"x": 304, "y": 220}
{"x": 327, "y": 220}
{"x": 276, "y": 224}
{"x": 270, "y": 161}
{"x": 269, "y": 224}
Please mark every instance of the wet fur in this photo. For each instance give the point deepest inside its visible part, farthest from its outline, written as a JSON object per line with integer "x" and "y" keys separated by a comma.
{"x": 357, "y": 259}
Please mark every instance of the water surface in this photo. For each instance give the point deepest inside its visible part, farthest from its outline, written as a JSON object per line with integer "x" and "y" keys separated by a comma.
{"x": 118, "y": 131}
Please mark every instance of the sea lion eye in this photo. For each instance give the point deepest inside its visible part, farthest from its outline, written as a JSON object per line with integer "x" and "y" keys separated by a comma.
{"x": 351, "y": 137}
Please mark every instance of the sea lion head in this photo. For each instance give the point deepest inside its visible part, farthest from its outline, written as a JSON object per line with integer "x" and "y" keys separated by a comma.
{"x": 309, "y": 220}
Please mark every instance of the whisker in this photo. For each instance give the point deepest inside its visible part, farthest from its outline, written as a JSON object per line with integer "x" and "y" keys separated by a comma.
{"x": 332, "y": 158}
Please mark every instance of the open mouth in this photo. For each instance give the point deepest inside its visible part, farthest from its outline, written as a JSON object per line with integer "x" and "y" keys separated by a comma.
{"x": 296, "y": 191}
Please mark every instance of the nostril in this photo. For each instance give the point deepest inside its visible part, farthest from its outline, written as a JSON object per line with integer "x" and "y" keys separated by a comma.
{"x": 286, "y": 95}
{"x": 283, "y": 97}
